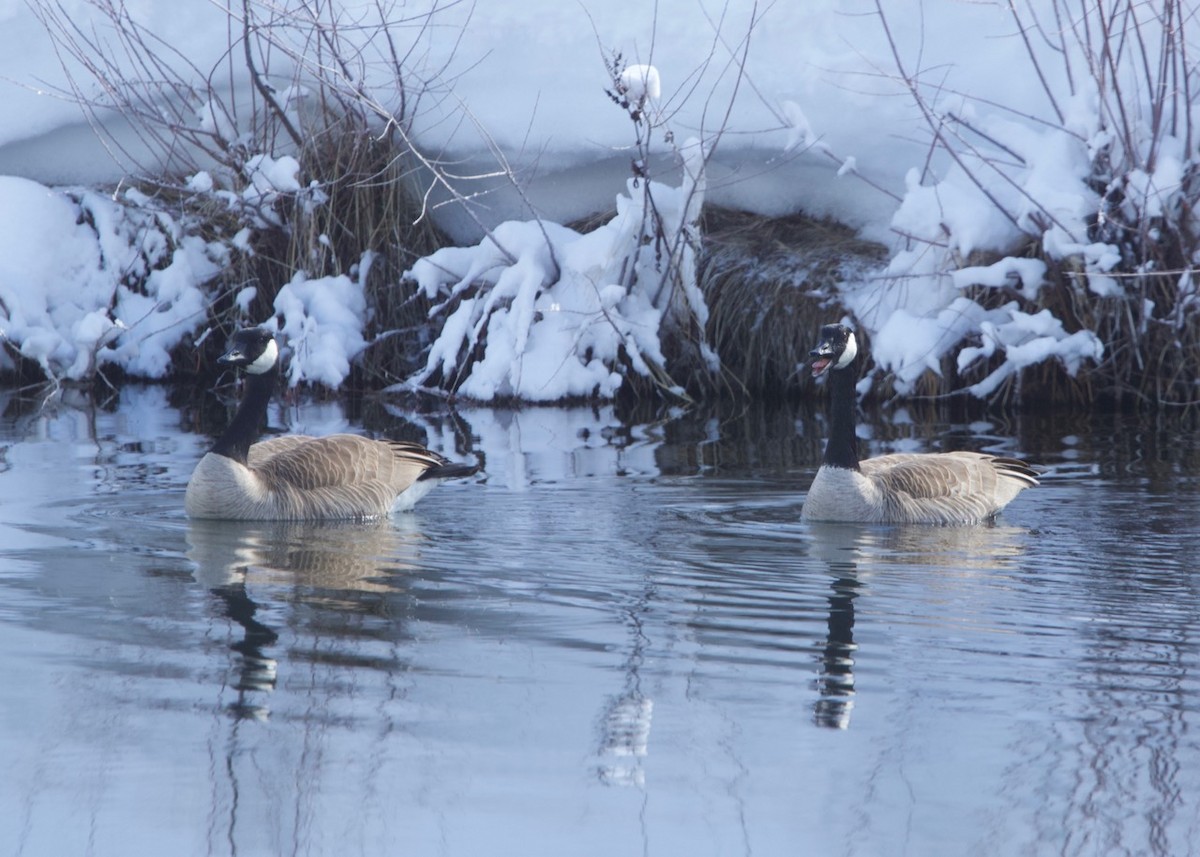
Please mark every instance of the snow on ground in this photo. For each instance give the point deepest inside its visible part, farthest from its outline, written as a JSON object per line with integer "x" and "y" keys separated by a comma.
{"x": 819, "y": 121}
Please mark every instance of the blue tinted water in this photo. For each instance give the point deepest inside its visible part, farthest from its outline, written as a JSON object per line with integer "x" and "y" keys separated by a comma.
{"x": 617, "y": 639}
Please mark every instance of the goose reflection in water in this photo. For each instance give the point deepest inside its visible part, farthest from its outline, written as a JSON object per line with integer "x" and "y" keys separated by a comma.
{"x": 854, "y": 551}
{"x": 327, "y": 563}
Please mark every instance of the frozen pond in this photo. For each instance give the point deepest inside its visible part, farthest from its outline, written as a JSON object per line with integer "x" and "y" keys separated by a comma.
{"x": 618, "y": 639}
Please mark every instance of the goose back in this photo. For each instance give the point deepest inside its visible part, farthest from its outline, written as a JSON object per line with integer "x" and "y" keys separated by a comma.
{"x": 296, "y": 477}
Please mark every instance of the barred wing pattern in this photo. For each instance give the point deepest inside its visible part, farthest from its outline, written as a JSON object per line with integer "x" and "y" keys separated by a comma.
{"x": 339, "y": 476}
{"x": 945, "y": 488}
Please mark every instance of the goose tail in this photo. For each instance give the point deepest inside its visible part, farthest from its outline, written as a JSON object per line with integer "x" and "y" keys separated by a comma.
{"x": 449, "y": 470}
{"x": 1016, "y": 469}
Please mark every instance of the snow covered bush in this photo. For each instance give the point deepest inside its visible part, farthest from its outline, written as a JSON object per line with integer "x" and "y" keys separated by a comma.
{"x": 293, "y": 137}
{"x": 128, "y": 285}
{"x": 1066, "y": 238}
{"x": 540, "y": 312}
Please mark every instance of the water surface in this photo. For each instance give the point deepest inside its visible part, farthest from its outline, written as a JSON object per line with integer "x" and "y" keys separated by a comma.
{"x": 617, "y": 639}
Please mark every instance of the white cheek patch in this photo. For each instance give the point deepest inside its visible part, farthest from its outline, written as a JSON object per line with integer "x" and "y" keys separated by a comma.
{"x": 266, "y": 360}
{"x": 850, "y": 352}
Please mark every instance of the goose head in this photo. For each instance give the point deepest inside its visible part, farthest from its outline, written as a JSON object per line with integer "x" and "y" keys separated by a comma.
{"x": 253, "y": 349}
{"x": 836, "y": 349}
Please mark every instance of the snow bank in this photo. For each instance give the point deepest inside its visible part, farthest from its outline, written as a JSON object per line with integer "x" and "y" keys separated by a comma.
{"x": 86, "y": 281}
{"x": 1026, "y": 341}
{"x": 48, "y": 297}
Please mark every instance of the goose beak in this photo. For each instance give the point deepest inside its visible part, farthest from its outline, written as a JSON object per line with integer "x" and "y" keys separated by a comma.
{"x": 824, "y": 359}
{"x": 233, "y": 355}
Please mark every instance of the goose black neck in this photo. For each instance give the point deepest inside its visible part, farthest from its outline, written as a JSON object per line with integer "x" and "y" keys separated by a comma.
{"x": 841, "y": 450}
{"x": 251, "y": 414}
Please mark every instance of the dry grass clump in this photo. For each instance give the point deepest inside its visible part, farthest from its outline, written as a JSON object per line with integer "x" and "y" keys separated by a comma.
{"x": 1151, "y": 339}
{"x": 770, "y": 283}
{"x": 1152, "y": 343}
{"x": 372, "y": 207}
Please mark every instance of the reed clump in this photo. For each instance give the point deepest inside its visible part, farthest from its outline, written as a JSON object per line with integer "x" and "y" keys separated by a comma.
{"x": 770, "y": 283}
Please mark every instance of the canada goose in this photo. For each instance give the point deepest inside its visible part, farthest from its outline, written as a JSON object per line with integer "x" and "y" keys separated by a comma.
{"x": 294, "y": 477}
{"x": 905, "y": 488}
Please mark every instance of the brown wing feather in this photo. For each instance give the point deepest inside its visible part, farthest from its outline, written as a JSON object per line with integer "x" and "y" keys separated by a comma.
{"x": 947, "y": 487}
{"x": 265, "y": 449}
{"x": 309, "y": 463}
{"x": 925, "y": 477}
{"x": 296, "y": 477}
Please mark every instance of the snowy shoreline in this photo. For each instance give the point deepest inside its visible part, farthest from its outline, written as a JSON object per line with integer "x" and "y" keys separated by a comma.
{"x": 1040, "y": 225}
{"x": 132, "y": 289}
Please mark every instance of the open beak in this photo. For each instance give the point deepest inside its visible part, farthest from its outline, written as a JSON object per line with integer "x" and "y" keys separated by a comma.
{"x": 823, "y": 359}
